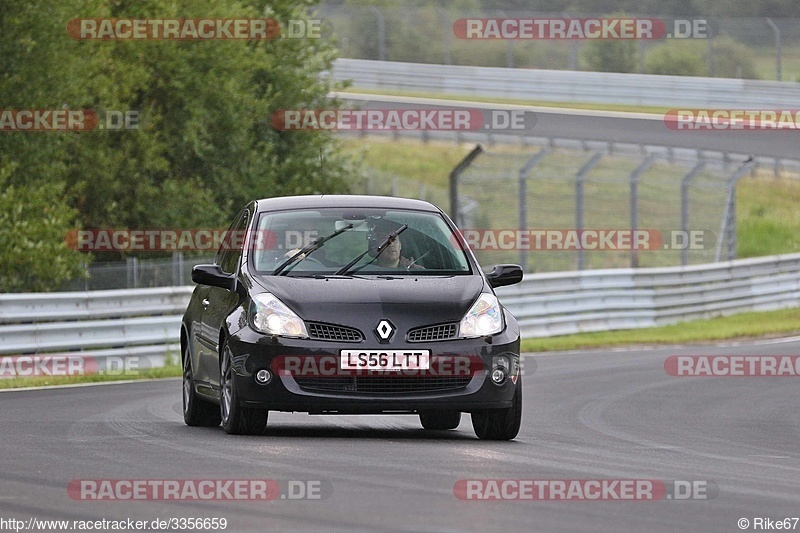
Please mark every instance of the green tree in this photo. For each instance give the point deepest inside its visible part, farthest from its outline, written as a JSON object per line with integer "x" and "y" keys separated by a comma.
{"x": 677, "y": 58}
{"x": 204, "y": 145}
{"x": 732, "y": 59}
{"x": 610, "y": 56}
{"x": 690, "y": 58}
{"x": 34, "y": 222}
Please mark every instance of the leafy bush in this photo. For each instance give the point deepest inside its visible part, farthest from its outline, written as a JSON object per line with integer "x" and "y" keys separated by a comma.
{"x": 607, "y": 55}
{"x": 677, "y": 58}
{"x": 34, "y": 221}
{"x": 610, "y": 56}
{"x": 690, "y": 58}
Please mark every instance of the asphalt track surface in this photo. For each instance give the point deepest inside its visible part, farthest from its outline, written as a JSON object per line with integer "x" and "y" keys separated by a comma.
{"x": 588, "y": 415}
{"x": 607, "y": 126}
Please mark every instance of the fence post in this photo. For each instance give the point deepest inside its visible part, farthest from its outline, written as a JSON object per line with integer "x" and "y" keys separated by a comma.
{"x": 777, "y": 31}
{"x": 524, "y": 172}
{"x": 447, "y": 31}
{"x": 640, "y": 53}
{"x": 710, "y": 57}
{"x": 133, "y": 272}
{"x": 455, "y": 174}
{"x": 381, "y": 32}
{"x": 177, "y": 268}
{"x": 634, "y": 192}
{"x": 574, "y": 53}
{"x": 685, "y": 206}
{"x": 728, "y": 230}
{"x": 579, "y": 199}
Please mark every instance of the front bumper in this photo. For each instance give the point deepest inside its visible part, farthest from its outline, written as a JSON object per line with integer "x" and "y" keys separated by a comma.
{"x": 463, "y": 366}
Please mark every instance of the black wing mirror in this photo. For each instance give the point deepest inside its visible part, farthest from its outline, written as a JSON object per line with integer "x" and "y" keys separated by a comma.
{"x": 214, "y": 276}
{"x": 502, "y": 275}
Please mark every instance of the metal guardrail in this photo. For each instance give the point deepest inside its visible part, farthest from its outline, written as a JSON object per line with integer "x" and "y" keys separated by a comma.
{"x": 568, "y": 86}
{"x": 597, "y": 300}
{"x": 73, "y": 306}
{"x": 145, "y": 323}
{"x": 105, "y": 330}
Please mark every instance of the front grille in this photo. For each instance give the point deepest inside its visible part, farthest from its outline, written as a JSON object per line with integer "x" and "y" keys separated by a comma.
{"x": 439, "y": 332}
{"x": 382, "y": 384}
{"x": 329, "y": 332}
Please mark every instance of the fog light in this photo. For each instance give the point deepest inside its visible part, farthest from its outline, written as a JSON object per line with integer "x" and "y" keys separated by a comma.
{"x": 263, "y": 376}
{"x": 498, "y": 375}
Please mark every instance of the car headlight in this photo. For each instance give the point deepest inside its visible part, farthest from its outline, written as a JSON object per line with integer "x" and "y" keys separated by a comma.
{"x": 271, "y": 316}
{"x": 484, "y": 318}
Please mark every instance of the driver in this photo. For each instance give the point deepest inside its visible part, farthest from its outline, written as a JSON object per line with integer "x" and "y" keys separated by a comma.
{"x": 391, "y": 256}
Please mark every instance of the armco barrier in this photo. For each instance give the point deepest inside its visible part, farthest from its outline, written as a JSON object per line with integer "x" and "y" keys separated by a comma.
{"x": 110, "y": 327}
{"x": 597, "y": 300}
{"x": 568, "y": 86}
{"x": 145, "y": 323}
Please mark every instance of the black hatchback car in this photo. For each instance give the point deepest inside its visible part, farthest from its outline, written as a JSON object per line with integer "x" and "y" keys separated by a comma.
{"x": 349, "y": 305}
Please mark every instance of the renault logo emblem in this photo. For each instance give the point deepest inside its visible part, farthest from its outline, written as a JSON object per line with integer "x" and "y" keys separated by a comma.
{"x": 384, "y": 330}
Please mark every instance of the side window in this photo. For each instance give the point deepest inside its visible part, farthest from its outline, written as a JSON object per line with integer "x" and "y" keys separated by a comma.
{"x": 230, "y": 251}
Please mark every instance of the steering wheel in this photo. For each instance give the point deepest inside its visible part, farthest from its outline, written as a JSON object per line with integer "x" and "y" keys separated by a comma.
{"x": 414, "y": 262}
{"x": 310, "y": 259}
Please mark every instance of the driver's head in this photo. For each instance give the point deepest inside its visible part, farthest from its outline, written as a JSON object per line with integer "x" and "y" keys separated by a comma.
{"x": 380, "y": 231}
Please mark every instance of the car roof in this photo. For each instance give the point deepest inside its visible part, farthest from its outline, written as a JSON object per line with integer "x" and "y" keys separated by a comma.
{"x": 343, "y": 200}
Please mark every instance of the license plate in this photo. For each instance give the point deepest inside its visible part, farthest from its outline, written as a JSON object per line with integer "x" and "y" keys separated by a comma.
{"x": 385, "y": 360}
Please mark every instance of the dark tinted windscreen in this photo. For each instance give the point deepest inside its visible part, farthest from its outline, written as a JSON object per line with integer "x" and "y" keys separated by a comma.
{"x": 425, "y": 245}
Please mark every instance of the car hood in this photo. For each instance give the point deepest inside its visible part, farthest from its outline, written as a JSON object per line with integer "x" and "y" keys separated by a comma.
{"x": 361, "y": 302}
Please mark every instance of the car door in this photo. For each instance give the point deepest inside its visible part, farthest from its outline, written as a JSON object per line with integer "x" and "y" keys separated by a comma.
{"x": 219, "y": 302}
{"x": 195, "y": 312}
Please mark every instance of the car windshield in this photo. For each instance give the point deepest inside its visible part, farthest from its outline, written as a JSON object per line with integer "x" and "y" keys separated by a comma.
{"x": 360, "y": 242}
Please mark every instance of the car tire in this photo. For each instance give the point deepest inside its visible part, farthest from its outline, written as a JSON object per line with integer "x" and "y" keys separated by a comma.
{"x": 196, "y": 411}
{"x": 440, "y": 419}
{"x": 499, "y": 424}
{"x": 236, "y": 419}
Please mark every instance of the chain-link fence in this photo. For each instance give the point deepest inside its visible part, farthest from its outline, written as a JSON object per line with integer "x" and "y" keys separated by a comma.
{"x": 379, "y": 183}
{"x": 736, "y": 47}
{"x": 556, "y": 209}
{"x": 137, "y": 273}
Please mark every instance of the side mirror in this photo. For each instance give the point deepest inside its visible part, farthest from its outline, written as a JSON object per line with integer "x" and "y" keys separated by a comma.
{"x": 502, "y": 275}
{"x": 214, "y": 276}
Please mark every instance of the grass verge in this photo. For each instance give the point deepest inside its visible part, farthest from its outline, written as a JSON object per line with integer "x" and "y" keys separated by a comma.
{"x": 743, "y": 326}
{"x": 657, "y": 110}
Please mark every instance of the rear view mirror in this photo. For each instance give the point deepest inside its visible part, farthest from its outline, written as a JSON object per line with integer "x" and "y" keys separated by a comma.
{"x": 214, "y": 276}
{"x": 502, "y": 275}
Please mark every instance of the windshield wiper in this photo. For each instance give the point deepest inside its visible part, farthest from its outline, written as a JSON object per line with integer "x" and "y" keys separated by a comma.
{"x": 380, "y": 248}
{"x": 306, "y": 250}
